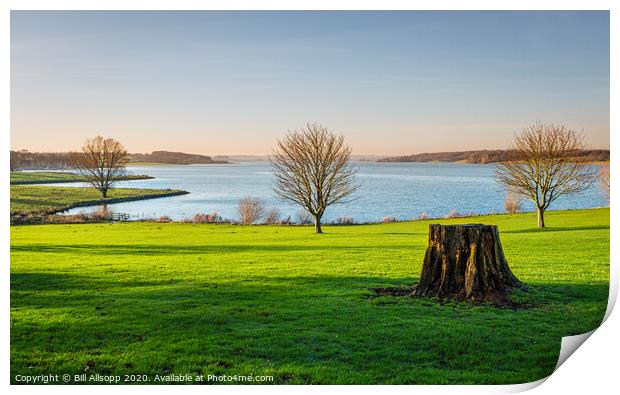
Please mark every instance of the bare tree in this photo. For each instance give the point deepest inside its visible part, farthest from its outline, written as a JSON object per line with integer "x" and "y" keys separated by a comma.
{"x": 303, "y": 217}
{"x": 250, "y": 210}
{"x": 15, "y": 160}
{"x": 312, "y": 168}
{"x": 604, "y": 180}
{"x": 272, "y": 215}
{"x": 513, "y": 203}
{"x": 101, "y": 161}
{"x": 544, "y": 164}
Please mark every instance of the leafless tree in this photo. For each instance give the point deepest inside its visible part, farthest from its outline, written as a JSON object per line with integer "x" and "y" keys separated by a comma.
{"x": 544, "y": 164}
{"x": 15, "y": 160}
{"x": 206, "y": 218}
{"x": 250, "y": 210}
{"x": 102, "y": 213}
{"x": 312, "y": 168}
{"x": 101, "y": 161}
{"x": 272, "y": 215}
{"x": 345, "y": 220}
{"x": 454, "y": 214}
{"x": 513, "y": 203}
{"x": 604, "y": 180}
{"x": 303, "y": 217}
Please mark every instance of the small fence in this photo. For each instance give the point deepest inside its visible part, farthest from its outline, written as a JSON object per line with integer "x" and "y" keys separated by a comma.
{"x": 119, "y": 217}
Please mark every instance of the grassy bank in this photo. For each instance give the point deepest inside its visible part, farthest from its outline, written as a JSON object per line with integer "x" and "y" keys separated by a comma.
{"x": 50, "y": 177}
{"x": 154, "y": 298}
{"x": 46, "y": 199}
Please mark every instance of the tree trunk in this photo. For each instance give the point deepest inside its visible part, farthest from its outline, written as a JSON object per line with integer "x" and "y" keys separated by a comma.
{"x": 317, "y": 224}
{"x": 464, "y": 262}
{"x": 541, "y": 217}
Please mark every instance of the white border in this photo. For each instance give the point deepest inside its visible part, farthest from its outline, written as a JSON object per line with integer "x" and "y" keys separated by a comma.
{"x": 592, "y": 368}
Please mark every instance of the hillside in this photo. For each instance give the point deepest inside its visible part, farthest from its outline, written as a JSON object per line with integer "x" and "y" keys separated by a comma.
{"x": 26, "y": 160}
{"x": 176, "y": 158}
{"x": 481, "y": 156}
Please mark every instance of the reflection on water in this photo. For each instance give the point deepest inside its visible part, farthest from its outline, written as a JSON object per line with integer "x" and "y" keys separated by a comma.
{"x": 403, "y": 190}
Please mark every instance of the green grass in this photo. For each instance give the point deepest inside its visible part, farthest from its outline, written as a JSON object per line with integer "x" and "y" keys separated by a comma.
{"x": 48, "y": 177}
{"x": 155, "y": 298}
{"x": 45, "y": 199}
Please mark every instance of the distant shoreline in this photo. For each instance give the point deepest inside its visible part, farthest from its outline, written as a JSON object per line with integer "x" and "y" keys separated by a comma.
{"x": 34, "y": 200}
{"x": 132, "y": 164}
{"x": 69, "y": 178}
{"x": 91, "y": 203}
{"x": 485, "y": 156}
{"x": 59, "y": 161}
{"x": 462, "y": 162}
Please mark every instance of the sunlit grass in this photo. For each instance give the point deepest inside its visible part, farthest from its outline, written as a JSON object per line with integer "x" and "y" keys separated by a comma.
{"x": 48, "y": 199}
{"x": 274, "y": 300}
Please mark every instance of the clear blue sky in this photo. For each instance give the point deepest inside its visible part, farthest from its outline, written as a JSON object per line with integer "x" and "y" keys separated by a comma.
{"x": 233, "y": 82}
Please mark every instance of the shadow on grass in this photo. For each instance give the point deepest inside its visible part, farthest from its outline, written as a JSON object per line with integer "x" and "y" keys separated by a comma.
{"x": 147, "y": 249}
{"x": 302, "y": 329}
{"x": 294, "y": 287}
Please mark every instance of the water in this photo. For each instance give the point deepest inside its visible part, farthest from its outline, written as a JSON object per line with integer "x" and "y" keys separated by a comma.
{"x": 402, "y": 190}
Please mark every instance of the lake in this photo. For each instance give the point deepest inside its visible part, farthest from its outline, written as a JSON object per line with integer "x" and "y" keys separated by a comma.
{"x": 402, "y": 190}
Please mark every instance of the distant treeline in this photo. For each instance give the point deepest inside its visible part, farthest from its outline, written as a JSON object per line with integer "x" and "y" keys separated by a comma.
{"x": 26, "y": 160}
{"x": 175, "y": 158}
{"x": 483, "y": 156}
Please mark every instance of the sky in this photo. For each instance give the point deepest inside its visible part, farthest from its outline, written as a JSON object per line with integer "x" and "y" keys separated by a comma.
{"x": 392, "y": 83}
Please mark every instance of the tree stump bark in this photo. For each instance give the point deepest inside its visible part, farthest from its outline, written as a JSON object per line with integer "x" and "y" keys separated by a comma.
{"x": 464, "y": 262}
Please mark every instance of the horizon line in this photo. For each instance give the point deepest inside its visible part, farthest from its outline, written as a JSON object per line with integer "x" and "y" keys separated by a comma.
{"x": 267, "y": 154}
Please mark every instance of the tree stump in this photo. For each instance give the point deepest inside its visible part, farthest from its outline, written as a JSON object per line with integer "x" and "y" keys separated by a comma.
{"x": 464, "y": 262}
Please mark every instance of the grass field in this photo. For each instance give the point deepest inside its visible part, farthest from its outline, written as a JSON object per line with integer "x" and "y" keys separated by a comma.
{"x": 49, "y": 177}
{"x": 46, "y": 199}
{"x": 151, "y": 298}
